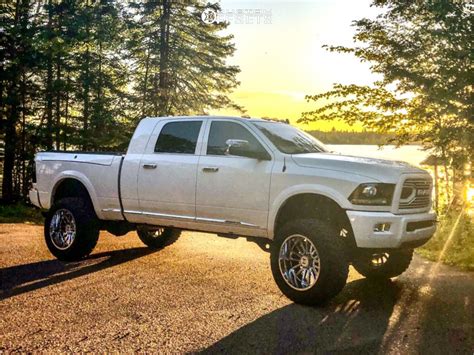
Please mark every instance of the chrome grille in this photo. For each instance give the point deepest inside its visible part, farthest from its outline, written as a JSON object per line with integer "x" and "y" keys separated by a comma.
{"x": 416, "y": 193}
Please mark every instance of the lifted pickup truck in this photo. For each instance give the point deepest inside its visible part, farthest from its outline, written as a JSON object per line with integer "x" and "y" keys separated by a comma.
{"x": 315, "y": 211}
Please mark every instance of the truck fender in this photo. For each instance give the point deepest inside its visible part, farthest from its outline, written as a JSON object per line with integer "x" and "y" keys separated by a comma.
{"x": 71, "y": 174}
{"x": 316, "y": 189}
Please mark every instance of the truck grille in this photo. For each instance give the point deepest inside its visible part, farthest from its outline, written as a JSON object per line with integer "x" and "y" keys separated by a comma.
{"x": 416, "y": 193}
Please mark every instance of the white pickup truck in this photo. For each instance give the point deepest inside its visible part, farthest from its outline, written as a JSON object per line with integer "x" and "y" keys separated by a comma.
{"x": 315, "y": 211}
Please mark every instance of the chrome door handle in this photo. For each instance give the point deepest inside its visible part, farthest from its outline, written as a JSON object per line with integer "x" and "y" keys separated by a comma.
{"x": 210, "y": 169}
{"x": 149, "y": 166}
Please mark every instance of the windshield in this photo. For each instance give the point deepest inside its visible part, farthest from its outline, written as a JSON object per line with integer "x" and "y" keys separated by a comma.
{"x": 289, "y": 139}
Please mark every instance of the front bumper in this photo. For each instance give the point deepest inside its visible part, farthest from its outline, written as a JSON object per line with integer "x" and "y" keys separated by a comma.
{"x": 405, "y": 230}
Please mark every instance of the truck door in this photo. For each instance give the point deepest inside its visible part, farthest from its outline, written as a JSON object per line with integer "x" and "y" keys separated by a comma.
{"x": 232, "y": 191}
{"x": 167, "y": 172}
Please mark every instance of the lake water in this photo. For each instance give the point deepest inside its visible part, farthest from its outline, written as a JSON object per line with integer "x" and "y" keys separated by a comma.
{"x": 412, "y": 154}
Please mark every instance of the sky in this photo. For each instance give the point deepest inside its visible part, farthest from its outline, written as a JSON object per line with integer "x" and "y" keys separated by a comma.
{"x": 283, "y": 60}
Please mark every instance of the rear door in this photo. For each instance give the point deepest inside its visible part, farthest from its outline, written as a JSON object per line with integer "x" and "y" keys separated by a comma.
{"x": 167, "y": 172}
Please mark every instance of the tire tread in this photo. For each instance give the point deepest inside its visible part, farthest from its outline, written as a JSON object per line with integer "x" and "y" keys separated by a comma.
{"x": 87, "y": 229}
{"x": 332, "y": 252}
{"x": 396, "y": 264}
{"x": 168, "y": 237}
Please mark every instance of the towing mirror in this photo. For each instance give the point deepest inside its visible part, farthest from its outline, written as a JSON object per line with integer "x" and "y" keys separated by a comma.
{"x": 242, "y": 148}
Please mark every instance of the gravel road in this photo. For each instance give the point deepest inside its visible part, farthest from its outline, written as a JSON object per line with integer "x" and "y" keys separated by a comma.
{"x": 205, "y": 293}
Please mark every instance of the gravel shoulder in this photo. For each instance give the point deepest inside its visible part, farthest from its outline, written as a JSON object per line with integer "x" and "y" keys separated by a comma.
{"x": 210, "y": 294}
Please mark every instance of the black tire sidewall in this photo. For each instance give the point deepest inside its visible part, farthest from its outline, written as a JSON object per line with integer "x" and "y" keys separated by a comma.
{"x": 398, "y": 261}
{"x": 168, "y": 236}
{"x": 334, "y": 265}
{"x": 87, "y": 229}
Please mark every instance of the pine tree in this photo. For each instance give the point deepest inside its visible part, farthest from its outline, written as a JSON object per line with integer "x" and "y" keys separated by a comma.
{"x": 180, "y": 60}
{"x": 80, "y": 74}
{"x": 16, "y": 60}
{"x": 423, "y": 52}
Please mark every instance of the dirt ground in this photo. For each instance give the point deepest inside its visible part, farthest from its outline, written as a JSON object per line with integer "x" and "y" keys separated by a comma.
{"x": 205, "y": 293}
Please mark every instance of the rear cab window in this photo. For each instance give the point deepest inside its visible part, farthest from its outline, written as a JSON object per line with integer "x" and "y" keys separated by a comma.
{"x": 178, "y": 137}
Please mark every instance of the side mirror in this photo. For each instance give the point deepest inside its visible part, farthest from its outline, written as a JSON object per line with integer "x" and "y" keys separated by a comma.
{"x": 241, "y": 148}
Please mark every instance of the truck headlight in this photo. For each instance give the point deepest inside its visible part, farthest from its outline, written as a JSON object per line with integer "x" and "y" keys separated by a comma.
{"x": 373, "y": 194}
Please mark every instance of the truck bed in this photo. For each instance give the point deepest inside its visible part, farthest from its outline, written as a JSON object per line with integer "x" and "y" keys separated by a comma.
{"x": 101, "y": 158}
{"x": 97, "y": 171}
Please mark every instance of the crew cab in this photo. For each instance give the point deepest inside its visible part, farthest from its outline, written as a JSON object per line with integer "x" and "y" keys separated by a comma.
{"x": 315, "y": 211}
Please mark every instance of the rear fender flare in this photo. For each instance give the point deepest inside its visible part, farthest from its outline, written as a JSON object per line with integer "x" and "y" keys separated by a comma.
{"x": 71, "y": 174}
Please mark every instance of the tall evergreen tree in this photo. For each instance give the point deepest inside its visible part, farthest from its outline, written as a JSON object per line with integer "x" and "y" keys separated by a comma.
{"x": 423, "y": 52}
{"x": 104, "y": 76}
{"x": 180, "y": 60}
{"x": 79, "y": 74}
{"x": 17, "y": 58}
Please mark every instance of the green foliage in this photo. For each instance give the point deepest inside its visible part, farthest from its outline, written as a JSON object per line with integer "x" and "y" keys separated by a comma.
{"x": 80, "y": 74}
{"x": 459, "y": 250}
{"x": 187, "y": 73}
{"x": 351, "y": 137}
{"x": 423, "y": 52}
{"x": 20, "y": 213}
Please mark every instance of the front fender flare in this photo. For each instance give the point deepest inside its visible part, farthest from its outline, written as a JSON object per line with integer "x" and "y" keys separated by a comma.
{"x": 315, "y": 189}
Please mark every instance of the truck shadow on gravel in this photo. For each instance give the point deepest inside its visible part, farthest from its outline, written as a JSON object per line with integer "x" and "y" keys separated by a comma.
{"x": 428, "y": 310}
{"x": 340, "y": 326}
{"x": 20, "y": 279}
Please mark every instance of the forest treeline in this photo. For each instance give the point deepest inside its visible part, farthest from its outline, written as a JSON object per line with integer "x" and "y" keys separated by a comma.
{"x": 352, "y": 137}
{"x": 80, "y": 74}
{"x": 422, "y": 54}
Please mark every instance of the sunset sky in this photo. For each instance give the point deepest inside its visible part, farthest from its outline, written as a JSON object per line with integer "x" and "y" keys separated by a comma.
{"x": 283, "y": 61}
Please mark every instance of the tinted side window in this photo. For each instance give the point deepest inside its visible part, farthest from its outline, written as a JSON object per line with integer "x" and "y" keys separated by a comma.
{"x": 221, "y": 131}
{"x": 178, "y": 137}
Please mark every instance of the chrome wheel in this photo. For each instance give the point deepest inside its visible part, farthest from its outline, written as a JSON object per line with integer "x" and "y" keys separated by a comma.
{"x": 299, "y": 262}
{"x": 378, "y": 260}
{"x": 62, "y": 229}
{"x": 156, "y": 233}
{"x": 157, "y": 237}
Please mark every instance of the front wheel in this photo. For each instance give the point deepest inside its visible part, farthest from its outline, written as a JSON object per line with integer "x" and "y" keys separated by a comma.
{"x": 308, "y": 261}
{"x": 157, "y": 238}
{"x": 382, "y": 265}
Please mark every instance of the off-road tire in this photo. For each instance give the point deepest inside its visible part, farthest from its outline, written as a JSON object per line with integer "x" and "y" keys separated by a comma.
{"x": 167, "y": 237}
{"x": 334, "y": 266}
{"x": 87, "y": 229}
{"x": 396, "y": 263}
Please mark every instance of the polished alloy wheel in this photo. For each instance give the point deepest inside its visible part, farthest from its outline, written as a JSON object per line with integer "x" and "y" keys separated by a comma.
{"x": 62, "y": 229}
{"x": 299, "y": 262}
{"x": 378, "y": 260}
{"x": 156, "y": 233}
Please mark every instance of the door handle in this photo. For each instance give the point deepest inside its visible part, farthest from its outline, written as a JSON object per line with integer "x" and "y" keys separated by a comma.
{"x": 149, "y": 166}
{"x": 210, "y": 169}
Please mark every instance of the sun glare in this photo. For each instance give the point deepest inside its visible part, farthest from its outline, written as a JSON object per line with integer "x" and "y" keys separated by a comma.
{"x": 470, "y": 194}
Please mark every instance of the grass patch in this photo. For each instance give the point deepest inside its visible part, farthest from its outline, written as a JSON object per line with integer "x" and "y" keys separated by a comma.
{"x": 20, "y": 213}
{"x": 459, "y": 250}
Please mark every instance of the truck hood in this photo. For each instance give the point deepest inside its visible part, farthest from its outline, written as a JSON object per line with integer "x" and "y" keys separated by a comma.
{"x": 388, "y": 171}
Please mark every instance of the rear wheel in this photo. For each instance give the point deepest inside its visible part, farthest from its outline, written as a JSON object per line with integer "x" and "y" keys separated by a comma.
{"x": 71, "y": 229}
{"x": 308, "y": 261}
{"x": 158, "y": 237}
{"x": 382, "y": 265}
